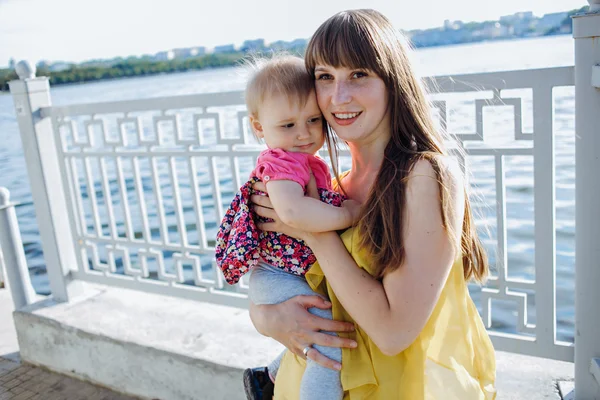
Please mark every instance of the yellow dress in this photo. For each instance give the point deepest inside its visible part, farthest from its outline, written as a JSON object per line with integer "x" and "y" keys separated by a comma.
{"x": 452, "y": 358}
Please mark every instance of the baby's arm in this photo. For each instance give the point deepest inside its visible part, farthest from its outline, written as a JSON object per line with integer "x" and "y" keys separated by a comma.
{"x": 307, "y": 213}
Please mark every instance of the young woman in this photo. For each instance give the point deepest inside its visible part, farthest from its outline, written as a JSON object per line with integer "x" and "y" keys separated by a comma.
{"x": 400, "y": 274}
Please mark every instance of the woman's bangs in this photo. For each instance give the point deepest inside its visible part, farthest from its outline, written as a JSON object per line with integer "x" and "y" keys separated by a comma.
{"x": 341, "y": 44}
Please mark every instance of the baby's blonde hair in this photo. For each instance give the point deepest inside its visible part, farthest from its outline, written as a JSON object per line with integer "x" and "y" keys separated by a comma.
{"x": 280, "y": 74}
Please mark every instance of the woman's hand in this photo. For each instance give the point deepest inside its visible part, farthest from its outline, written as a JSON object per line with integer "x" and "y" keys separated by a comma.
{"x": 292, "y": 325}
{"x": 262, "y": 206}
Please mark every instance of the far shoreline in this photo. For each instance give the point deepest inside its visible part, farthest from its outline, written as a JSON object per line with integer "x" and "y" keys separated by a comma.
{"x": 233, "y": 65}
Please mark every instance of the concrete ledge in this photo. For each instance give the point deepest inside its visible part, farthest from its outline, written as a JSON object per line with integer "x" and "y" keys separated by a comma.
{"x": 146, "y": 345}
{"x": 520, "y": 377}
{"x": 161, "y": 347}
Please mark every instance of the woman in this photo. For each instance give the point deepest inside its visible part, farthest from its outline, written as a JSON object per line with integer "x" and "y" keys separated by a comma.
{"x": 400, "y": 275}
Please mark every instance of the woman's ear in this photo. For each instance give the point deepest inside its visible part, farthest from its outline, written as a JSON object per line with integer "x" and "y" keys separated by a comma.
{"x": 256, "y": 127}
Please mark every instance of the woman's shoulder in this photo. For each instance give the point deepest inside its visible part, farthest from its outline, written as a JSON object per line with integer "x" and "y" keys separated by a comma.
{"x": 429, "y": 171}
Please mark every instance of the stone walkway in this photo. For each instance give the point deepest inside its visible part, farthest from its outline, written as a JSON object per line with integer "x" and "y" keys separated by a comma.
{"x": 25, "y": 382}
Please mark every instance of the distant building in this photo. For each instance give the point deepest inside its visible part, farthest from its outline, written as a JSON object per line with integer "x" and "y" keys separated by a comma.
{"x": 452, "y": 25}
{"x": 437, "y": 37}
{"x": 189, "y": 52}
{"x": 495, "y": 30}
{"x": 520, "y": 24}
{"x": 553, "y": 20}
{"x": 164, "y": 55}
{"x": 253, "y": 45}
{"x": 517, "y": 17}
{"x": 295, "y": 44}
{"x": 11, "y": 63}
{"x": 226, "y": 48}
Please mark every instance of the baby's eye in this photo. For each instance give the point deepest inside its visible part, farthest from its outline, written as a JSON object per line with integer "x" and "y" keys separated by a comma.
{"x": 287, "y": 126}
{"x": 314, "y": 120}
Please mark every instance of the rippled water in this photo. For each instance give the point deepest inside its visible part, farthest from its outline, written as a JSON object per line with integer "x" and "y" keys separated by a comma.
{"x": 481, "y": 57}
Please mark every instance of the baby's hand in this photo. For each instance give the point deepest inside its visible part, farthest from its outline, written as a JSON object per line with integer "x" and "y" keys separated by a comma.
{"x": 353, "y": 209}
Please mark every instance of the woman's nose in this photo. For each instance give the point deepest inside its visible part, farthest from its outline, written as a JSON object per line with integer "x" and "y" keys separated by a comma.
{"x": 341, "y": 94}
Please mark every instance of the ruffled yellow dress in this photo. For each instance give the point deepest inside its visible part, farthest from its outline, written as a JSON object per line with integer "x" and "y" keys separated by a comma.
{"x": 452, "y": 359}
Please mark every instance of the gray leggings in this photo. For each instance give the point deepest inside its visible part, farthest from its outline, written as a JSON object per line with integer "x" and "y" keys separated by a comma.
{"x": 270, "y": 285}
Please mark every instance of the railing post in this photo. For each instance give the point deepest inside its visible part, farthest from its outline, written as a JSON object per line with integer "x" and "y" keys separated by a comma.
{"x": 17, "y": 274}
{"x": 586, "y": 32}
{"x": 30, "y": 94}
{"x": 2, "y": 273}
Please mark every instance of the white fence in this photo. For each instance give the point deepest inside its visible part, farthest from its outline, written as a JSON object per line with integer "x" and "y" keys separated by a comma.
{"x": 142, "y": 186}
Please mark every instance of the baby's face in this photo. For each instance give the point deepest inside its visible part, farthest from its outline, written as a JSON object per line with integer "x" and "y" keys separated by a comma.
{"x": 288, "y": 126}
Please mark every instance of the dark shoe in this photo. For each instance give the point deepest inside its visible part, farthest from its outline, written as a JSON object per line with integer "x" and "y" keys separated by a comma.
{"x": 257, "y": 384}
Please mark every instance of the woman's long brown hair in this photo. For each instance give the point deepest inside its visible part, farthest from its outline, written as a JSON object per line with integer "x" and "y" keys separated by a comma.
{"x": 365, "y": 39}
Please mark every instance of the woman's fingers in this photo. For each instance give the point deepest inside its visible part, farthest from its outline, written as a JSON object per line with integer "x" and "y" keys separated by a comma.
{"x": 324, "y": 324}
{"x": 262, "y": 201}
{"x": 326, "y": 340}
{"x": 313, "y": 301}
{"x": 260, "y": 186}
{"x": 264, "y": 212}
{"x": 292, "y": 325}
{"x": 267, "y": 226}
{"x": 320, "y": 359}
{"x": 330, "y": 325}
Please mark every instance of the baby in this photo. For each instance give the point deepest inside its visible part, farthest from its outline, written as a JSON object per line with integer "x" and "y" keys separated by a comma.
{"x": 283, "y": 111}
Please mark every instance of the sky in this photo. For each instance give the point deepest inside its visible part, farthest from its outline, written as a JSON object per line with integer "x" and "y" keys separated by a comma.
{"x": 79, "y": 30}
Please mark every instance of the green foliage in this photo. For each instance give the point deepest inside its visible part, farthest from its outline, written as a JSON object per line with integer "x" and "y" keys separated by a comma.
{"x": 128, "y": 68}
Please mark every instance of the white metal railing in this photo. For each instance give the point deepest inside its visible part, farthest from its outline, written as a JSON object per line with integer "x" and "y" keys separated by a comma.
{"x": 144, "y": 184}
{"x": 541, "y": 339}
{"x": 12, "y": 257}
{"x": 142, "y": 153}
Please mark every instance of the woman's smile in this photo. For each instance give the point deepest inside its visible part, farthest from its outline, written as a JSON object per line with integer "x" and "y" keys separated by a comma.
{"x": 346, "y": 118}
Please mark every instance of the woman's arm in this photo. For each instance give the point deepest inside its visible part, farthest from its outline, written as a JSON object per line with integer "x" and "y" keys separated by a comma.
{"x": 306, "y": 213}
{"x": 394, "y": 311}
{"x": 292, "y": 325}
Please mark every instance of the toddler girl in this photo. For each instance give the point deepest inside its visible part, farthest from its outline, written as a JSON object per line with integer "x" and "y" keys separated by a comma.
{"x": 283, "y": 111}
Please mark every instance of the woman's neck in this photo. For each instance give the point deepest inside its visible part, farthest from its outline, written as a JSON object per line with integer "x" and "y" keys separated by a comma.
{"x": 367, "y": 157}
{"x": 366, "y": 161}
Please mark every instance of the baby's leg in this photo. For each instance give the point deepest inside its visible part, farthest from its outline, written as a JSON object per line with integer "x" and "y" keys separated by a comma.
{"x": 319, "y": 382}
{"x": 269, "y": 285}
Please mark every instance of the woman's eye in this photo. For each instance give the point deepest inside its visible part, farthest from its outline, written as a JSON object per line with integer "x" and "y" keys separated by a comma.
{"x": 359, "y": 74}
{"x": 323, "y": 77}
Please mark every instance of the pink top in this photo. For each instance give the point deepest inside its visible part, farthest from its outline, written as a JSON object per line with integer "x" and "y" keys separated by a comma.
{"x": 277, "y": 164}
{"x": 241, "y": 245}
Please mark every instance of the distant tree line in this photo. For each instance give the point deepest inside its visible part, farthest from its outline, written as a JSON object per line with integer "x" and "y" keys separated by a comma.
{"x": 127, "y": 68}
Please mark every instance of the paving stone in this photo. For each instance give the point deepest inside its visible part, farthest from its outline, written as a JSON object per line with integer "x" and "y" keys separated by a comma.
{"x": 24, "y": 395}
{"x": 26, "y": 382}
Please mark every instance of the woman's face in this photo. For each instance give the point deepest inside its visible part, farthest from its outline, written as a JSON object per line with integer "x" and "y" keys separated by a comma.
{"x": 354, "y": 102}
